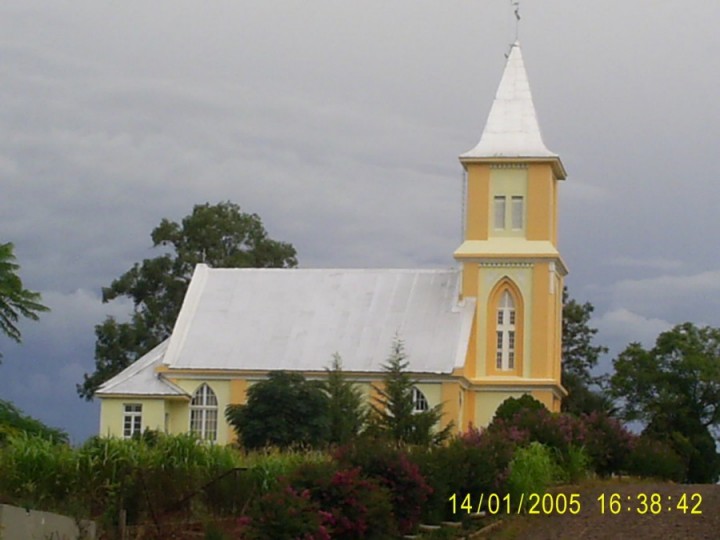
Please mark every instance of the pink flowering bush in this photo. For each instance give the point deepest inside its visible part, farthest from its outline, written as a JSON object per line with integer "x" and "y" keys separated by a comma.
{"x": 353, "y": 507}
{"x": 391, "y": 468}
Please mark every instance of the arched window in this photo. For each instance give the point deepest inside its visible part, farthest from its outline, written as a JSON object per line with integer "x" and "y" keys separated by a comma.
{"x": 505, "y": 352}
{"x": 420, "y": 402}
{"x": 204, "y": 413}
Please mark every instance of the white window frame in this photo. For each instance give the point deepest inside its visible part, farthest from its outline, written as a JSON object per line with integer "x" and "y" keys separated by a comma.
{"x": 420, "y": 402}
{"x": 132, "y": 419}
{"x": 506, "y": 333}
{"x": 204, "y": 413}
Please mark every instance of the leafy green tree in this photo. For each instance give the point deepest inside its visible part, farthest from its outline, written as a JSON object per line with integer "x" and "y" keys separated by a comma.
{"x": 346, "y": 412}
{"x": 393, "y": 413}
{"x": 13, "y": 422}
{"x": 580, "y": 356}
{"x": 674, "y": 388}
{"x": 284, "y": 410}
{"x": 511, "y": 406}
{"x": 15, "y": 300}
{"x": 219, "y": 235}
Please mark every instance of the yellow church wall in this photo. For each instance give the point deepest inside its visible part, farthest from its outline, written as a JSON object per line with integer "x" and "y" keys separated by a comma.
{"x": 450, "y": 399}
{"x": 547, "y": 314}
{"x": 507, "y": 180}
{"x": 470, "y": 280}
{"x": 546, "y": 398}
{"x": 478, "y": 201}
{"x": 178, "y": 416}
{"x": 541, "y": 208}
{"x": 112, "y": 412}
{"x": 238, "y": 391}
{"x": 486, "y": 403}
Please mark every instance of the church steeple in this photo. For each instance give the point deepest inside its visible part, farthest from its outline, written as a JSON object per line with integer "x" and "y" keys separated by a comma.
{"x": 512, "y": 130}
{"x": 511, "y": 265}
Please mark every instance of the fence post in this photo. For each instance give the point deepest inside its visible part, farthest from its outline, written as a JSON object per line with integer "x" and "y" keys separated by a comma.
{"x": 122, "y": 524}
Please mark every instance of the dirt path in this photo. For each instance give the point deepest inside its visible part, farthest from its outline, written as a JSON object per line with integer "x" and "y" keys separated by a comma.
{"x": 668, "y": 523}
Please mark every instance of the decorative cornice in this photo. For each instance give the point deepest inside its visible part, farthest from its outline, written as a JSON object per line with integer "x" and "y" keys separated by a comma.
{"x": 509, "y": 165}
{"x": 505, "y": 264}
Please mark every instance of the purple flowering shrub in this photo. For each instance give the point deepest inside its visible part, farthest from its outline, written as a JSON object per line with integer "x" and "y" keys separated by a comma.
{"x": 607, "y": 443}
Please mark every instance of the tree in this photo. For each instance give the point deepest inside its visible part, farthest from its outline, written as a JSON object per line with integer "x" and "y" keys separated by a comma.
{"x": 674, "y": 388}
{"x": 13, "y": 422}
{"x": 346, "y": 413}
{"x": 579, "y": 358}
{"x": 219, "y": 235}
{"x": 15, "y": 300}
{"x": 393, "y": 413}
{"x": 284, "y": 410}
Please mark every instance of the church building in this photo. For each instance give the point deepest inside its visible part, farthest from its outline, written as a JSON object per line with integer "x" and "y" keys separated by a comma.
{"x": 474, "y": 335}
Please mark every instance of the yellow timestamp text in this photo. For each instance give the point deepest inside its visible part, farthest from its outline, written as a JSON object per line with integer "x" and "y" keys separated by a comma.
{"x": 650, "y": 503}
{"x": 530, "y": 503}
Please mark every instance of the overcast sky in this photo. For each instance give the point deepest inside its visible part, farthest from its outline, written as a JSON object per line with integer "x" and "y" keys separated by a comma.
{"x": 340, "y": 124}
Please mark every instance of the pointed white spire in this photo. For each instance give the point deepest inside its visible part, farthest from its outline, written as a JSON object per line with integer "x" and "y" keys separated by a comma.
{"x": 512, "y": 129}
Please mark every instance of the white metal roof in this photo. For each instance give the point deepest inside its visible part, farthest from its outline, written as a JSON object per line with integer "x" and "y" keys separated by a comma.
{"x": 296, "y": 319}
{"x": 512, "y": 128}
{"x": 141, "y": 379}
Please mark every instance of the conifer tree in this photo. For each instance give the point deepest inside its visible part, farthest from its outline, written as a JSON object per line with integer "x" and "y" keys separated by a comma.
{"x": 393, "y": 413}
{"x": 346, "y": 413}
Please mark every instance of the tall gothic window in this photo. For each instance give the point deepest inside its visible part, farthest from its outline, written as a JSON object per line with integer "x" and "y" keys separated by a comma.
{"x": 204, "y": 413}
{"x": 505, "y": 355}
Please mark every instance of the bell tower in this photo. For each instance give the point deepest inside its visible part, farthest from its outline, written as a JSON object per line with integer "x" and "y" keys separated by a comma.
{"x": 509, "y": 257}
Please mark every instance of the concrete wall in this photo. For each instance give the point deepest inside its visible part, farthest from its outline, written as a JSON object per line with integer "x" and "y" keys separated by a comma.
{"x": 20, "y": 524}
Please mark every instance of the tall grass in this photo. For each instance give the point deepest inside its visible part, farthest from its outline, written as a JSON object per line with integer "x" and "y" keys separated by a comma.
{"x": 147, "y": 477}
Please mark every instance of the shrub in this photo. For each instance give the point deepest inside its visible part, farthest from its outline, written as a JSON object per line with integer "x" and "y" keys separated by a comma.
{"x": 607, "y": 443}
{"x": 392, "y": 468}
{"x": 285, "y": 513}
{"x": 576, "y": 464}
{"x": 532, "y": 470}
{"x": 356, "y": 507}
{"x": 651, "y": 458}
{"x": 511, "y": 406}
{"x": 475, "y": 462}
